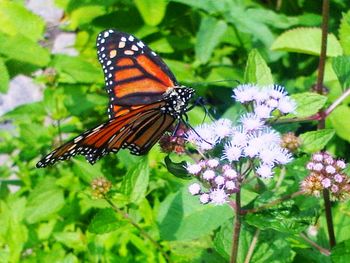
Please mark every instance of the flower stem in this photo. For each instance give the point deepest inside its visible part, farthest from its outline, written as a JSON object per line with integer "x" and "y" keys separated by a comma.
{"x": 321, "y": 123}
{"x": 337, "y": 102}
{"x": 322, "y": 250}
{"x": 328, "y": 212}
{"x": 252, "y": 246}
{"x": 143, "y": 232}
{"x": 236, "y": 229}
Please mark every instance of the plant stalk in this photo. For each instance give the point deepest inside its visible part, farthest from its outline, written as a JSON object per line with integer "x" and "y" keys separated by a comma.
{"x": 321, "y": 123}
{"x": 237, "y": 228}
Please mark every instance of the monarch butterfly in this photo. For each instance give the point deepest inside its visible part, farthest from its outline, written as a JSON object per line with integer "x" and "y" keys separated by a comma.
{"x": 144, "y": 101}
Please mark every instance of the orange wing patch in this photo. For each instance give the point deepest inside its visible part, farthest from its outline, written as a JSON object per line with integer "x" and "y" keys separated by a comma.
{"x": 128, "y": 73}
{"x": 154, "y": 70}
{"x": 125, "y": 62}
{"x": 144, "y": 85}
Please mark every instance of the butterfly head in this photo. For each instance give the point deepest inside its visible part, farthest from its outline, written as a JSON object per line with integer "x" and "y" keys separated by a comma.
{"x": 177, "y": 99}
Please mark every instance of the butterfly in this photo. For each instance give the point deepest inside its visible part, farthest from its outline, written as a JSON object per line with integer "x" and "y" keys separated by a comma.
{"x": 145, "y": 100}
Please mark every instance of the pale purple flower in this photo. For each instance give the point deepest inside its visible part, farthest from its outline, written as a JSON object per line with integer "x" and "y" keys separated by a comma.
{"x": 310, "y": 166}
{"x": 245, "y": 93}
{"x": 251, "y": 150}
{"x": 239, "y": 137}
{"x": 268, "y": 155}
{"x": 193, "y": 168}
{"x": 269, "y": 136}
{"x": 330, "y": 169}
{"x": 208, "y": 175}
{"x": 340, "y": 164}
{"x": 265, "y": 171}
{"x": 194, "y": 188}
{"x": 283, "y": 157}
{"x": 318, "y": 157}
{"x": 232, "y": 152}
{"x": 338, "y": 178}
{"x": 251, "y": 122}
{"x": 230, "y": 173}
{"x": 318, "y": 167}
{"x": 326, "y": 182}
{"x": 204, "y": 198}
{"x": 276, "y": 91}
{"x": 286, "y": 105}
{"x": 219, "y": 180}
{"x": 212, "y": 163}
{"x": 329, "y": 160}
{"x": 230, "y": 185}
{"x": 262, "y": 95}
{"x": 204, "y": 137}
{"x": 334, "y": 188}
{"x": 218, "y": 197}
{"x": 222, "y": 128}
{"x": 262, "y": 111}
{"x": 272, "y": 103}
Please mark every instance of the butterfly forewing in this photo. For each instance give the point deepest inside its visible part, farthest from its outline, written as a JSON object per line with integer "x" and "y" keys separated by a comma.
{"x": 134, "y": 74}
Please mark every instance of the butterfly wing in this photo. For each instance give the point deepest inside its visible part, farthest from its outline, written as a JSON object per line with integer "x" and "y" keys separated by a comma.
{"x": 138, "y": 131}
{"x": 134, "y": 74}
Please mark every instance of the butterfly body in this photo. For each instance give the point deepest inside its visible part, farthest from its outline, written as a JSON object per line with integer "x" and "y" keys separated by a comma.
{"x": 145, "y": 99}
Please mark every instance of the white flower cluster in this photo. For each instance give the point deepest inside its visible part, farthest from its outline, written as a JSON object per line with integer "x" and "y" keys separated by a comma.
{"x": 251, "y": 139}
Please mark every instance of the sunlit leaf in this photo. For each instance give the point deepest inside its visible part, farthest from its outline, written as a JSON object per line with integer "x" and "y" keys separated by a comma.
{"x": 23, "y": 49}
{"x": 135, "y": 182}
{"x": 341, "y": 66}
{"x": 257, "y": 70}
{"x": 308, "y": 103}
{"x": 182, "y": 217}
{"x": 4, "y": 77}
{"x": 340, "y": 121}
{"x": 314, "y": 141}
{"x": 306, "y": 41}
{"x": 208, "y": 37}
{"x": 106, "y": 220}
{"x": 152, "y": 11}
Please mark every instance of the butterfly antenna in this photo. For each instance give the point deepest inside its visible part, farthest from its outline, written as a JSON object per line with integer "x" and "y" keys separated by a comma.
{"x": 195, "y": 84}
{"x": 185, "y": 121}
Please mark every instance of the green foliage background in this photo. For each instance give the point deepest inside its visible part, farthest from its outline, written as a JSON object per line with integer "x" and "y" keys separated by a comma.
{"x": 53, "y": 218}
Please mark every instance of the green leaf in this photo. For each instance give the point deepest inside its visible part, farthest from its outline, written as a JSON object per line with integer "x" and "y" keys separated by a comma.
{"x": 306, "y": 41}
{"x": 74, "y": 240}
{"x": 4, "y": 77}
{"x": 182, "y": 217}
{"x": 208, "y": 37}
{"x": 207, "y": 5}
{"x": 177, "y": 169}
{"x": 152, "y": 11}
{"x": 23, "y": 49}
{"x": 86, "y": 171}
{"x": 344, "y": 33}
{"x": 162, "y": 45}
{"x": 45, "y": 200}
{"x": 16, "y": 19}
{"x": 340, "y": 121}
{"x": 341, "y": 66}
{"x": 85, "y": 15}
{"x": 316, "y": 140}
{"x": 341, "y": 252}
{"x": 105, "y": 221}
{"x": 76, "y": 70}
{"x": 135, "y": 182}
{"x": 286, "y": 218}
{"x": 308, "y": 103}
{"x": 257, "y": 70}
